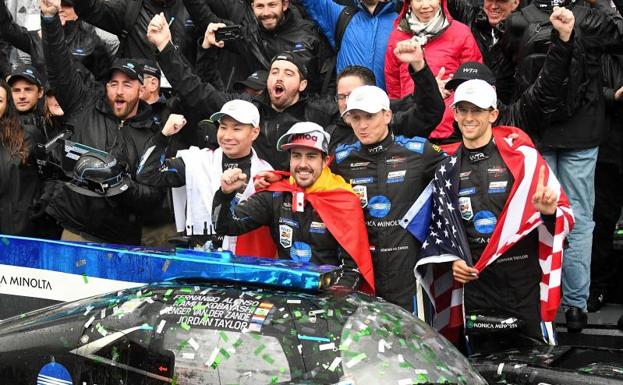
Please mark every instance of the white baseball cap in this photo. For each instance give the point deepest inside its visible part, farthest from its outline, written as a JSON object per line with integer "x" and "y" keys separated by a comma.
{"x": 477, "y": 92}
{"x": 370, "y": 99}
{"x": 239, "y": 110}
{"x": 305, "y": 134}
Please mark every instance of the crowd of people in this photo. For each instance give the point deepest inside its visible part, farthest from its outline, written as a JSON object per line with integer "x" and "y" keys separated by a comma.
{"x": 316, "y": 130}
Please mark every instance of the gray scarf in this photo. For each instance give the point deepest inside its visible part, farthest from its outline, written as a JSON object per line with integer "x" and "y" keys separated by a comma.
{"x": 422, "y": 32}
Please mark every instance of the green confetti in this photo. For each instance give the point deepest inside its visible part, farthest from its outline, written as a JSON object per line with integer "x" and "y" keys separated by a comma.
{"x": 237, "y": 343}
{"x": 199, "y": 307}
{"x": 223, "y": 336}
{"x": 185, "y": 326}
{"x": 205, "y": 318}
{"x": 168, "y": 293}
{"x": 182, "y": 345}
{"x": 259, "y": 349}
{"x": 84, "y": 278}
{"x": 274, "y": 380}
{"x": 179, "y": 301}
{"x": 186, "y": 290}
{"x": 268, "y": 359}
{"x": 224, "y": 353}
{"x": 298, "y": 314}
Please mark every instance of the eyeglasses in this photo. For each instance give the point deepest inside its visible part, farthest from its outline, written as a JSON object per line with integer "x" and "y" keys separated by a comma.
{"x": 341, "y": 97}
{"x": 462, "y": 110}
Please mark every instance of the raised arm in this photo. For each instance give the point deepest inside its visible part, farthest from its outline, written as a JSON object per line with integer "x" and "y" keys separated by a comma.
{"x": 325, "y": 13}
{"x": 108, "y": 15}
{"x": 71, "y": 91}
{"x": 419, "y": 113}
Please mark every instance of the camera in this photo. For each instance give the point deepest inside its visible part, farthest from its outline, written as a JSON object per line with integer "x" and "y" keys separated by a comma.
{"x": 233, "y": 32}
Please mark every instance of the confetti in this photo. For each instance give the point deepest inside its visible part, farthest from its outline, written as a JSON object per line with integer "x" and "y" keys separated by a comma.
{"x": 161, "y": 326}
{"x": 185, "y": 326}
{"x": 89, "y": 322}
{"x": 212, "y": 357}
{"x": 357, "y": 359}
{"x": 166, "y": 265}
{"x": 84, "y": 278}
{"x": 100, "y": 329}
{"x": 330, "y": 346}
{"x": 81, "y": 262}
{"x": 313, "y": 338}
{"x": 294, "y": 301}
{"x": 334, "y": 364}
{"x": 193, "y": 344}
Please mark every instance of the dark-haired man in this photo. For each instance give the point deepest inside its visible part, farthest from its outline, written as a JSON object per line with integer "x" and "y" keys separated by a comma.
{"x": 282, "y": 105}
{"x": 304, "y": 212}
{"x": 113, "y": 120}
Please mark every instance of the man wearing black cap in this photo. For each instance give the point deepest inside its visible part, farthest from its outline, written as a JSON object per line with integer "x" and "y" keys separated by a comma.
{"x": 254, "y": 85}
{"x": 114, "y": 120}
{"x": 528, "y": 112}
{"x": 26, "y": 88}
{"x": 281, "y": 106}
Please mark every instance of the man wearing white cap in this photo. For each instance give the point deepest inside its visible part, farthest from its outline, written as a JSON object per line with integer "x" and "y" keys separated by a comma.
{"x": 305, "y": 211}
{"x": 514, "y": 215}
{"x": 388, "y": 173}
{"x": 195, "y": 173}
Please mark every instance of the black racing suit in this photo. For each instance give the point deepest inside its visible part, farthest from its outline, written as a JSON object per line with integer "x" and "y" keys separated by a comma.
{"x": 301, "y": 236}
{"x": 510, "y": 285}
{"x": 388, "y": 177}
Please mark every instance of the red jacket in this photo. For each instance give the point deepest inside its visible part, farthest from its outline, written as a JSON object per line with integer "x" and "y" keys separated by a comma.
{"x": 450, "y": 49}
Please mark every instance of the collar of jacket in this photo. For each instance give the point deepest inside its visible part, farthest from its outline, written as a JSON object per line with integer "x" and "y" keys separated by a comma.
{"x": 379, "y": 147}
{"x": 142, "y": 119}
{"x": 297, "y": 109}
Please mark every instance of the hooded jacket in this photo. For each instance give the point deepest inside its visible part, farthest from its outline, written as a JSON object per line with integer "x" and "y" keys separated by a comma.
{"x": 116, "y": 219}
{"x": 365, "y": 39}
{"x": 449, "y": 49}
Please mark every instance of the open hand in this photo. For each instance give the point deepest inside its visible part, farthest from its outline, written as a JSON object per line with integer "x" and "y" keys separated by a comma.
{"x": 441, "y": 82}
{"x": 264, "y": 179}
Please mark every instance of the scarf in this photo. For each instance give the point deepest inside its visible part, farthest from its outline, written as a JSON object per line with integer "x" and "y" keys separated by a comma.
{"x": 423, "y": 32}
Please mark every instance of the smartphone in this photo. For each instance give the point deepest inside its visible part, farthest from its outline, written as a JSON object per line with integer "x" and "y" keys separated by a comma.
{"x": 232, "y": 32}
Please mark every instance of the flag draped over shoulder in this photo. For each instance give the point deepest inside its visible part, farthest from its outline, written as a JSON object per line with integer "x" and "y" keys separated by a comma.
{"x": 444, "y": 241}
{"x": 340, "y": 209}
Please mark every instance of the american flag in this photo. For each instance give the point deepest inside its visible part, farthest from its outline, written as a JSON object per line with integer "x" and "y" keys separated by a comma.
{"x": 444, "y": 239}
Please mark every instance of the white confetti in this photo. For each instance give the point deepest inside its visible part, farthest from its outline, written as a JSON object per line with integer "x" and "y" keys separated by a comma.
{"x": 406, "y": 381}
{"x": 294, "y": 301}
{"x": 194, "y": 344}
{"x": 161, "y": 326}
{"x": 329, "y": 346}
{"x": 103, "y": 314}
{"x": 335, "y": 363}
{"x": 89, "y": 322}
{"x": 188, "y": 356}
{"x": 210, "y": 360}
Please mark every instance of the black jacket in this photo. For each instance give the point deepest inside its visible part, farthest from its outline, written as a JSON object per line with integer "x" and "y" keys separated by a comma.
{"x": 415, "y": 115}
{"x": 610, "y": 149}
{"x": 82, "y": 40}
{"x": 115, "y": 219}
{"x": 259, "y": 46}
{"x": 20, "y": 188}
{"x": 202, "y": 99}
{"x": 299, "y": 236}
{"x": 389, "y": 177}
{"x": 128, "y": 19}
{"x": 491, "y": 49}
{"x": 595, "y": 33}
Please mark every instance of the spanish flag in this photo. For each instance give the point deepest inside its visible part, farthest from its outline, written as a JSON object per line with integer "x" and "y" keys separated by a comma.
{"x": 334, "y": 200}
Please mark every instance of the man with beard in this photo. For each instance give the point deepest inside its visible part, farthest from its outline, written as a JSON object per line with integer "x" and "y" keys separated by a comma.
{"x": 280, "y": 107}
{"x": 305, "y": 211}
{"x": 112, "y": 120}
{"x": 269, "y": 27}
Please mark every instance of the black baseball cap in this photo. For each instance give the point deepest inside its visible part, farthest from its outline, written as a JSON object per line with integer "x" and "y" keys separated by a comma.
{"x": 151, "y": 68}
{"x": 287, "y": 56}
{"x": 26, "y": 72}
{"x": 68, "y": 2}
{"x": 257, "y": 81}
{"x": 129, "y": 67}
{"x": 468, "y": 71}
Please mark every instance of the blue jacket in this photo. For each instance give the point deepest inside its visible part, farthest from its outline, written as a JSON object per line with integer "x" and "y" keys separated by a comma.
{"x": 365, "y": 39}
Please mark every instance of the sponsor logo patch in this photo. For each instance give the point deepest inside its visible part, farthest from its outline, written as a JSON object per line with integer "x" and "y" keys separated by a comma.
{"x": 285, "y": 236}
{"x": 379, "y": 206}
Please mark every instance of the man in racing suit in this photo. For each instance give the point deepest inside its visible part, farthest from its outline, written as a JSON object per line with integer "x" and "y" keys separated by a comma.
{"x": 305, "y": 213}
{"x": 388, "y": 173}
{"x": 510, "y": 285}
